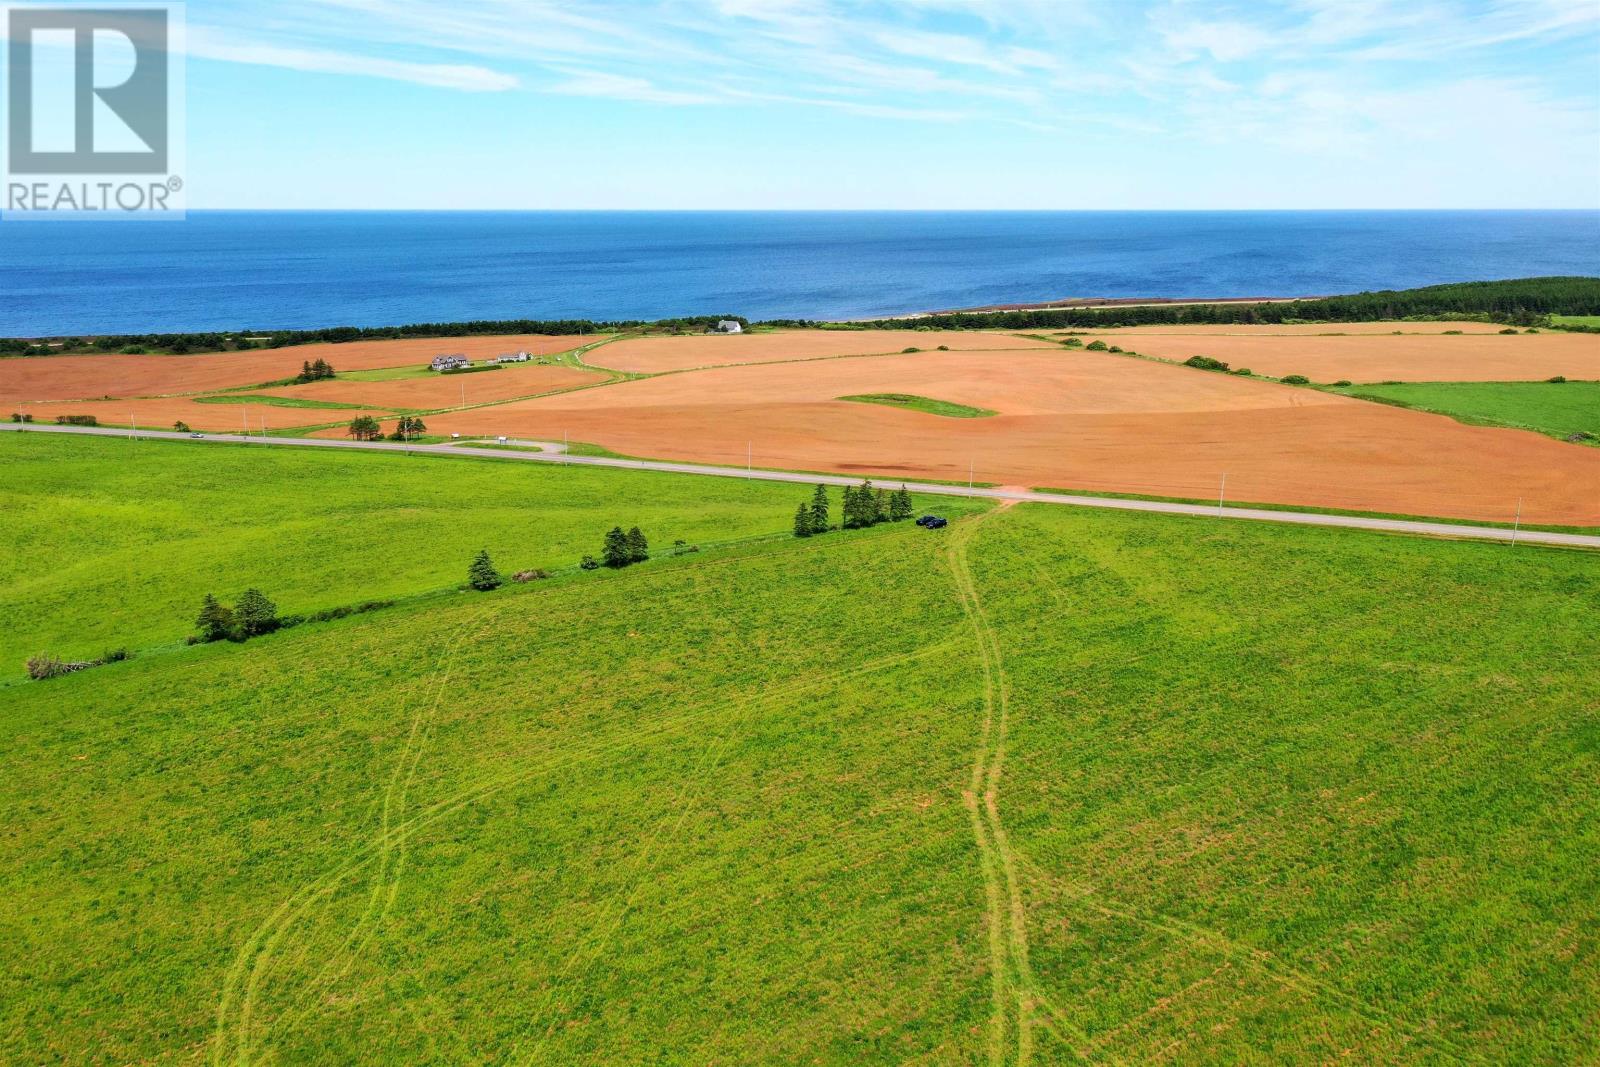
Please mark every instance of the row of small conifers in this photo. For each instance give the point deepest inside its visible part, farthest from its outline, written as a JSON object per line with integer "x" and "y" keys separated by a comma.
{"x": 254, "y": 613}
{"x": 863, "y": 506}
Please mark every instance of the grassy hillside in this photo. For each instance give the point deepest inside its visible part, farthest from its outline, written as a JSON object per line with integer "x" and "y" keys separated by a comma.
{"x": 1558, "y": 409}
{"x": 116, "y": 542}
{"x": 1121, "y": 787}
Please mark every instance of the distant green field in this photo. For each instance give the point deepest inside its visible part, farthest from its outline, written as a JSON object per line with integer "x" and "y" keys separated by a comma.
{"x": 114, "y": 543}
{"x": 256, "y": 400}
{"x": 1047, "y": 785}
{"x": 949, "y": 409}
{"x": 1556, "y": 409}
{"x": 1575, "y": 320}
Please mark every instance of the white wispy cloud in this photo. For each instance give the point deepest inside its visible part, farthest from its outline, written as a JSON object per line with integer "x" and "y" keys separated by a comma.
{"x": 1307, "y": 74}
{"x": 212, "y": 44}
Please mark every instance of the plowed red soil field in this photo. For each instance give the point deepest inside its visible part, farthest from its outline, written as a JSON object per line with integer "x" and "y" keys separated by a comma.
{"x": 159, "y": 413}
{"x": 652, "y": 355}
{"x": 446, "y": 390}
{"x": 1379, "y": 358}
{"x": 1075, "y": 420}
{"x": 1312, "y": 329}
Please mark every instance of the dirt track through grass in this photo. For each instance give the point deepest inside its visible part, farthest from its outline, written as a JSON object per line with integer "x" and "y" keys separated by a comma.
{"x": 1016, "y": 994}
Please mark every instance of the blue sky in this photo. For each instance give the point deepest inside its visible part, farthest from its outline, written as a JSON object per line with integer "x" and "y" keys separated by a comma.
{"x": 1006, "y": 104}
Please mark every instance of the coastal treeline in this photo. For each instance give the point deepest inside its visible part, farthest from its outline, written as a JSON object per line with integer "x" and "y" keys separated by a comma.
{"x": 1520, "y": 301}
{"x": 1516, "y": 301}
{"x": 239, "y": 340}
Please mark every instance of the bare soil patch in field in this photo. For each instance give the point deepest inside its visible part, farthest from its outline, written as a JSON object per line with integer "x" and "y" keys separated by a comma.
{"x": 446, "y": 390}
{"x": 93, "y": 377}
{"x": 653, "y": 355}
{"x": 159, "y": 413}
{"x": 1075, "y": 420}
{"x": 1469, "y": 358}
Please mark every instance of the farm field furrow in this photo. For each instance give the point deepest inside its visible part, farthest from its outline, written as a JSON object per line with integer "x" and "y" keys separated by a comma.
{"x": 715, "y": 807}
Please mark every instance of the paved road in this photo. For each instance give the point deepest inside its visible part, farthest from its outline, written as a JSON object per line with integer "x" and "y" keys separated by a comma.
{"x": 554, "y": 453}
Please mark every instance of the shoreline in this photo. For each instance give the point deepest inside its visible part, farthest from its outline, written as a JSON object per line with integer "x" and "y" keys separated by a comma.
{"x": 1070, "y": 303}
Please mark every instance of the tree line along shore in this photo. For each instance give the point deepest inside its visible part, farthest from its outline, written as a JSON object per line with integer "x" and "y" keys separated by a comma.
{"x": 1520, "y": 301}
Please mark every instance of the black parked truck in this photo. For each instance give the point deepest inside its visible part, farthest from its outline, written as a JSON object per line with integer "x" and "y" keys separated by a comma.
{"x": 933, "y": 522}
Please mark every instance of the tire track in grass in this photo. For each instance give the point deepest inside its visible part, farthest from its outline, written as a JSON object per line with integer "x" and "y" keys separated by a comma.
{"x": 260, "y": 952}
{"x": 1015, "y": 993}
{"x": 1272, "y": 965}
{"x": 297, "y": 906}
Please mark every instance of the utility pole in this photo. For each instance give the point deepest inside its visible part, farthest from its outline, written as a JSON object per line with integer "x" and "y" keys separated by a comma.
{"x": 1222, "y": 492}
{"x": 749, "y": 453}
{"x": 1517, "y": 524}
{"x": 134, "y": 419}
{"x": 972, "y": 465}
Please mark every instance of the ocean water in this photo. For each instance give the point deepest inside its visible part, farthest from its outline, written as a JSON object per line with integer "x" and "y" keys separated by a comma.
{"x": 260, "y": 270}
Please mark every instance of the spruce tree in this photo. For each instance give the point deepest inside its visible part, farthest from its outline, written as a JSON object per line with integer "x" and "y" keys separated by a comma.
{"x": 802, "y": 521}
{"x": 851, "y": 514}
{"x": 482, "y": 574}
{"x": 615, "y": 553}
{"x": 255, "y": 614}
{"x": 215, "y": 620}
{"x": 900, "y": 504}
{"x": 819, "y": 510}
{"x": 638, "y": 547}
{"x": 880, "y": 506}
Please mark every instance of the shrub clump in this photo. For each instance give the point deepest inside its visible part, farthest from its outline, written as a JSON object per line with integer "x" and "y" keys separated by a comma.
{"x": 45, "y": 666}
{"x": 18, "y": 416}
{"x": 530, "y": 575}
{"x": 1095, "y": 346}
{"x": 76, "y": 420}
{"x": 1295, "y": 379}
{"x": 1557, "y": 380}
{"x": 1205, "y": 363}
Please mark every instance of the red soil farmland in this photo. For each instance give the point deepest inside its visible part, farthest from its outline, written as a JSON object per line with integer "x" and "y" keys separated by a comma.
{"x": 1471, "y": 358}
{"x": 26, "y": 378}
{"x": 652, "y": 355}
{"x": 159, "y": 413}
{"x": 1310, "y": 329}
{"x": 446, "y": 390}
{"x": 1076, "y": 420}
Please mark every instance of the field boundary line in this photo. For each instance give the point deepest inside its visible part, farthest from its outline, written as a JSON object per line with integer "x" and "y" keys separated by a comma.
{"x": 1301, "y": 518}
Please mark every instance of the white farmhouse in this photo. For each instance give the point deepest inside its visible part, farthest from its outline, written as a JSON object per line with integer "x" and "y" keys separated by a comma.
{"x": 729, "y": 326}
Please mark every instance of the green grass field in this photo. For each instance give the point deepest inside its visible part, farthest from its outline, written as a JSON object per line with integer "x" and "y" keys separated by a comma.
{"x": 1556, "y": 409}
{"x": 115, "y": 542}
{"x": 947, "y": 408}
{"x": 1048, "y": 785}
{"x": 256, "y": 399}
{"x": 1575, "y": 320}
